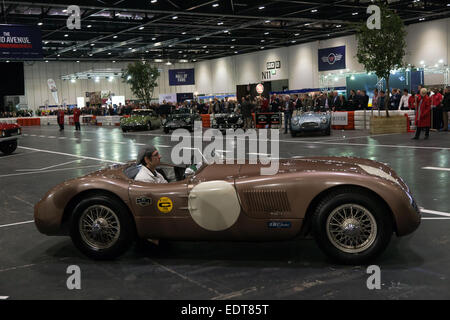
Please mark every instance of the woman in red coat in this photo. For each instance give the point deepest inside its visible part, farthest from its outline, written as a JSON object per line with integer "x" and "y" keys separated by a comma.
{"x": 61, "y": 119}
{"x": 423, "y": 114}
{"x": 412, "y": 101}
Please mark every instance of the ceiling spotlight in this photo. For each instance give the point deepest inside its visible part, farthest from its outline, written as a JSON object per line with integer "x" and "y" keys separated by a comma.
{"x": 220, "y": 23}
{"x": 215, "y": 5}
{"x": 261, "y": 8}
{"x": 232, "y": 47}
{"x": 204, "y": 47}
{"x": 180, "y": 51}
{"x": 158, "y": 60}
{"x": 109, "y": 53}
{"x": 154, "y": 1}
{"x": 194, "y": 60}
{"x": 267, "y": 21}
{"x": 153, "y": 39}
{"x": 338, "y": 26}
{"x": 235, "y": 52}
{"x": 225, "y": 31}
{"x": 422, "y": 62}
{"x": 197, "y": 38}
{"x": 314, "y": 10}
{"x": 207, "y": 51}
{"x": 58, "y": 55}
{"x": 262, "y": 48}
{"x": 114, "y": 61}
{"x": 78, "y": 61}
{"x": 73, "y": 80}
{"x": 183, "y": 32}
{"x": 174, "y": 17}
{"x": 297, "y": 34}
{"x": 74, "y": 50}
{"x": 233, "y": 39}
{"x": 168, "y": 63}
{"x": 441, "y": 61}
{"x": 115, "y": 37}
{"x": 110, "y": 79}
{"x": 422, "y": 19}
{"x": 307, "y": 24}
{"x": 266, "y": 33}
{"x": 141, "y": 28}
{"x": 89, "y": 25}
{"x": 293, "y": 41}
{"x": 40, "y": 24}
{"x": 66, "y": 35}
{"x": 46, "y": 60}
{"x": 129, "y": 78}
{"x": 146, "y": 51}
{"x": 46, "y": 42}
{"x": 263, "y": 40}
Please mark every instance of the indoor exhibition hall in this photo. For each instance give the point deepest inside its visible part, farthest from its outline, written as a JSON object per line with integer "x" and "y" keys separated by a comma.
{"x": 224, "y": 155}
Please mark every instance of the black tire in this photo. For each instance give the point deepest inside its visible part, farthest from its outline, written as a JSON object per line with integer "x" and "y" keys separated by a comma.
{"x": 8, "y": 147}
{"x": 124, "y": 130}
{"x": 166, "y": 130}
{"x": 328, "y": 131}
{"x": 293, "y": 134}
{"x": 149, "y": 126}
{"x": 126, "y": 235}
{"x": 380, "y": 214}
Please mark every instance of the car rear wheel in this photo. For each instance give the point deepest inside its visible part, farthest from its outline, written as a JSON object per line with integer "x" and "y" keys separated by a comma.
{"x": 8, "y": 147}
{"x": 124, "y": 130}
{"x": 101, "y": 227}
{"x": 351, "y": 227}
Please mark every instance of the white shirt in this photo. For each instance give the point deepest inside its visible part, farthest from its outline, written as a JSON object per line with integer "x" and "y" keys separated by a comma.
{"x": 404, "y": 101}
{"x": 145, "y": 175}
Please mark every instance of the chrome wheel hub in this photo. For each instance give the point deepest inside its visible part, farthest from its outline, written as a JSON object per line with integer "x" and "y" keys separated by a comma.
{"x": 99, "y": 227}
{"x": 351, "y": 228}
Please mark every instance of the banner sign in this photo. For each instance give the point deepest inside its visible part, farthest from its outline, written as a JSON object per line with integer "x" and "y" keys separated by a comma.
{"x": 332, "y": 58}
{"x": 20, "y": 42}
{"x": 267, "y": 118}
{"x": 181, "y": 77}
{"x": 339, "y": 118}
{"x": 181, "y": 97}
{"x": 165, "y": 98}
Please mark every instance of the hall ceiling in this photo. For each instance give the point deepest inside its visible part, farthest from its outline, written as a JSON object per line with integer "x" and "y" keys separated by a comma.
{"x": 189, "y": 31}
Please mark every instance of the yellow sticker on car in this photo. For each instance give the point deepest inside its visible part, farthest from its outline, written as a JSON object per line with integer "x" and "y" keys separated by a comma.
{"x": 165, "y": 205}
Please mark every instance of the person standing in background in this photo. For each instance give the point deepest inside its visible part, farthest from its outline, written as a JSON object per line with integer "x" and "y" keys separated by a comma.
{"x": 423, "y": 116}
{"x": 412, "y": 101}
{"x": 288, "y": 108}
{"x": 364, "y": 100}
{"x": 446, "y": 107}
{"x": 375, "y": 99}
{"x": 76, "y": 118}
{"x": 436, "y": 107}
{"x": 60, "y": 116}
{"x": 404, "y": 101}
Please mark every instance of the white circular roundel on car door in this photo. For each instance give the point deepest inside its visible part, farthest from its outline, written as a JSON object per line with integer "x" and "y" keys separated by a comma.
{"x": 214, "y": 205}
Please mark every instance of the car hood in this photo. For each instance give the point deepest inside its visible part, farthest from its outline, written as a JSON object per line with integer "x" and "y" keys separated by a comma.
{"x": 8, "y": 126}
{"x": 135, "y": 120}
{"x": 332, "y": 165}
{"x": 311, "y": 116}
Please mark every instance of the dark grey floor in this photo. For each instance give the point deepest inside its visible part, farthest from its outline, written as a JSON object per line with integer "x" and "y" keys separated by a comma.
{"x": 33, "y": 266}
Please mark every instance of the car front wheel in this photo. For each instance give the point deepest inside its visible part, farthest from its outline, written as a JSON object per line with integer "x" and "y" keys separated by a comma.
{"x": 351, "y": 227}
{"x": 8, "y": 147}
{"x": 101, "y": 227}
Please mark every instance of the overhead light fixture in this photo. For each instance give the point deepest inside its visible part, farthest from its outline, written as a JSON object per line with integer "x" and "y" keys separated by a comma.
{"x": 233, "y": 39}
{"x": 153, "y": 39}
{"x": 174, "y": 17}
{"x": 422, "y": 62}
{"x": 293, "y": 41}
{"x": 204, "y": 47}
{"x": 235, "y": 52}
{"x": 141, "y": 28}
{"x": 263, "y": 40}
{"x": 183, "y": 61}
{"x": 109, "y": 53}
{"x": 352, "y": 78}
{"x": 114, "y": 61}
{"x": 73, "y": 80}
{"x": 89, "y": 25}
{"x": 338, "y": 26}
{"x": 74, "y": 50}
{"x": 183, "y": 32}
{"x": 154, "y": 1}
{"x": 261, "y": 8}
{"x": 58, "y": 55}
{"x": 297, "y": 34}
{"x": 194, "y": 60}
{"x": 92, "y": 44}
{"x": 441, "y": 61}
{"x": 197, "y": 39}
{"x": 110, "y": 79}
{"x": 168, "y": 63}
{"x": 40, "y": 24}
{"x": 314, "y": 10}
{"x": 232, "y": 47}
{"x": 266, "y": 33}
{"x": 262, "y": 48}
{"x": 46, "y": 60}
{"x": 66, "y": 35}
{"x": 267, "y": 21}
{"x": 115, "y": 37}
{"x": 158, "y": 60}
{"x": 225, "y": 31}
{"x": 215, "y": 5}
{"x": 129, "y": 78}
{"x": 97, "y": 79}
{"x": 354, "y": 13}
{"x": 220, "y": 23}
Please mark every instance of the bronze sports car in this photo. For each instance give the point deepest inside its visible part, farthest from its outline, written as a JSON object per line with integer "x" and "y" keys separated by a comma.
{"x": 351, "y": 206}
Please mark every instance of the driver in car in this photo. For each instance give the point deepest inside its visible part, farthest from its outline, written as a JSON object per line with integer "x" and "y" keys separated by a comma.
{"x": 150, "y": 158}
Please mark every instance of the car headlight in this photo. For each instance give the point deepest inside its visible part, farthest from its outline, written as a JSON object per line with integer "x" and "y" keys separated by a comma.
{"x": 188, "y": 119}
{"x": 324, "y": 120}
{"x": 18, "y": 131}
{"x": 3, "y": 133}
{"x": 240, "y": 121}
{"x": 295, "y": 121}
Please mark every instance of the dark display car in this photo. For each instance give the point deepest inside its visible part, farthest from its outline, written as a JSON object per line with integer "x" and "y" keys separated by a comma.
{"x": 9, "y": 133}
{"x": 224, "y": 121}
{"x": 351, "y": 206}
{"x": 180, "y": 119}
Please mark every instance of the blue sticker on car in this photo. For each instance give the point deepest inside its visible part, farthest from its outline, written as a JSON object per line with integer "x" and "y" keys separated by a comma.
{"x": 279, "y": 224}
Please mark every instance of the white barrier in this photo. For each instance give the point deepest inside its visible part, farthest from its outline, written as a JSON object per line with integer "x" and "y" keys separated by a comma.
{"x": 359, "y": 117}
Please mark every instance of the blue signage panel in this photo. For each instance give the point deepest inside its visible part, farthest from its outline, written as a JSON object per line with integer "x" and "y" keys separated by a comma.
{"x": 332, "y": 58}
{"x": 20, "y": 42}
{"x": 181, "y": 97}
{"x": 181, "y": 77}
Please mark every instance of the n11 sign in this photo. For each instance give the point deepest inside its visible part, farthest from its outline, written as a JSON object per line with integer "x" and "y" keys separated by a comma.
{"x": 20, "y": 42}
{"x": 181, "y": 77}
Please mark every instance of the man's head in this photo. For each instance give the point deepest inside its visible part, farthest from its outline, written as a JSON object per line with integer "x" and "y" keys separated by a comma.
{"x": 405, "y": 92}
{"x": 149, "y": 156}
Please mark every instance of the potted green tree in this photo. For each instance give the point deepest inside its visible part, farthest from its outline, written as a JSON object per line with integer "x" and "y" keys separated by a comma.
{"x": 142, "y": 78}
{"x": 380, "y": 51}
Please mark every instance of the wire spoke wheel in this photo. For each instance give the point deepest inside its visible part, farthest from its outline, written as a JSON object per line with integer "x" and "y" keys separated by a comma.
{"x": 351, "y": 228}
{"x": 99, "y": 227}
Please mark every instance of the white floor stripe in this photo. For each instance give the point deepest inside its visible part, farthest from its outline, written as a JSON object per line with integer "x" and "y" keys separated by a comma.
{"x": 438, "y": 213}
{"x": 16, "y": 224}
{"x": 54, "y": 166}
{"x": 71, "y": 155}
{"x": 435, "y": 218}
{"x": 436, "y": 168}
{"x": 47, "y": 171}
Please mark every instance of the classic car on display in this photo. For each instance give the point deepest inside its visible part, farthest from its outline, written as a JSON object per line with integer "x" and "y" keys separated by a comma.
{"x": 9, "y": 133}
{"x": 140, "y": 119}
{"x": 224, "y": 121}
{"x": 351, "y": 206}
{"x": 180, "y": 119}
{"x": 311, "y": 122}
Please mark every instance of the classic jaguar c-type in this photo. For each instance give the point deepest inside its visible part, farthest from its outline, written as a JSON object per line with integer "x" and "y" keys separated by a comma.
{"x": 351, "y": 206}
